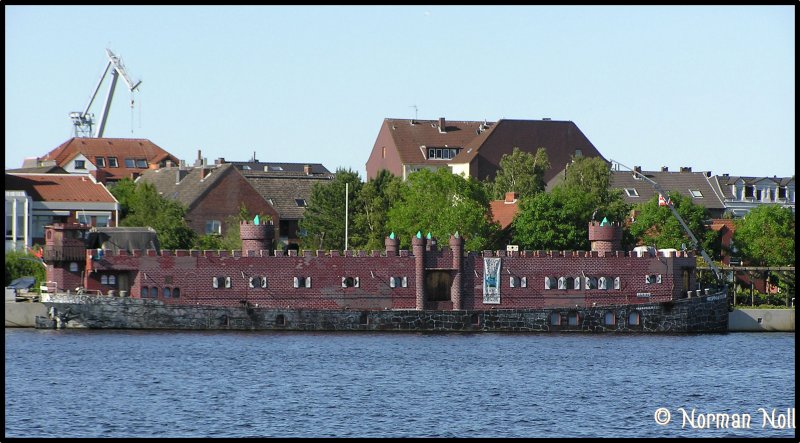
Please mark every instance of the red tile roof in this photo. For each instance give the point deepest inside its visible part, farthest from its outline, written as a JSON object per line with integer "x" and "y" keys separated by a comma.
{"x": 60, "y": 187}
{"x": 503, "y": 211}
{"x": 111, "y": 147}
{"x": 409, "y": 137}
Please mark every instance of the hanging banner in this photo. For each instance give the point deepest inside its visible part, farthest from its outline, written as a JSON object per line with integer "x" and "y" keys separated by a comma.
{"x": 491, "y": 280}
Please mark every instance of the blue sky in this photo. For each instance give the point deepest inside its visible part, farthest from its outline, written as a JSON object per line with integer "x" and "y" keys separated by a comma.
{"x": 710, "y": 87}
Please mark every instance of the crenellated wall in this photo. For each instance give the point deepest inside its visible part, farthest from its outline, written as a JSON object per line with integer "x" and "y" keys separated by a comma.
{"x": 440, "y": 277}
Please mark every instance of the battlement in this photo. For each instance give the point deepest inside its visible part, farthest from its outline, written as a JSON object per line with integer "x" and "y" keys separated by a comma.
{"x": 106, "y": 253}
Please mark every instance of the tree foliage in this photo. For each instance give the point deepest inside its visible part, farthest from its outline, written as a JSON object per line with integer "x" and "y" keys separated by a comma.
{"x": 23, "y": 264}
{"x": 765, "y": 236}
{"x": 521, "y": 172}
{"x": 442, "y": 203}
{"x": 374, "y": 201}
{"x": 656, "y": 225}
{"x": 556, "y": 220}
{"x": 324, "y": 217}
{"x": 145, "y": 207}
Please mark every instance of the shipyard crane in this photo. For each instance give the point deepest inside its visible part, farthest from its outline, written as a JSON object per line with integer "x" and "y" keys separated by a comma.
{"x": 695, "y": 242}
{"x": 83, "y": 121}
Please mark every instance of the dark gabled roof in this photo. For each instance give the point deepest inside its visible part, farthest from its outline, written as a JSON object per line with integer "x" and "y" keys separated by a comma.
{"x": 283, "y": 192}
{"x": 79, "y": 188}
{"x": 559, "y": 138}
{"x": 281, "y": 168}
{"x": 682, "y": 182}
{"x": 126, "y": 238}
{"x": 121, "y": 148}
{"x": 409, "y": 137}
{"x": 185, "y": 185}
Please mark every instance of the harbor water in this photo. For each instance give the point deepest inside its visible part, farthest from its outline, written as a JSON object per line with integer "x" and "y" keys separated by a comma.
{"x": 101, "y": 383}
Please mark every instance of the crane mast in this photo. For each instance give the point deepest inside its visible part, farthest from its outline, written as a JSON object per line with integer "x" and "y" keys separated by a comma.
{"x": 83, "y": 121}
{"x": 695, "y": 242}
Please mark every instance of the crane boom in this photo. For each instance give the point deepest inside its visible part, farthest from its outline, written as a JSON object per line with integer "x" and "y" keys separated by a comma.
{"x": 83, "y": 121}
{"x": 695, "y": 242}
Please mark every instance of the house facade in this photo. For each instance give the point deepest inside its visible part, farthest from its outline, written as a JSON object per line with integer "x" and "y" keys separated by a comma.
{"x": 212, "y": 193}
{"x": 34, "y": 201}
{"x": 741, "y": 194}
{"x": 473, "y": 148}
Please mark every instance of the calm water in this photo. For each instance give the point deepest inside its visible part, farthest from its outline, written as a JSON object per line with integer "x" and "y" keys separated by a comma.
{"x": 230, "y": 384}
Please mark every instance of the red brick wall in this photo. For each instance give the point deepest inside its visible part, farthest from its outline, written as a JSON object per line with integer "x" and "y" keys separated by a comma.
{"x": 224, "y": 200}
{"x": 193, "y": 271}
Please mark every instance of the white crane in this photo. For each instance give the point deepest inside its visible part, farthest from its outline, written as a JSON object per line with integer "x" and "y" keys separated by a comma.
{"x": 83, "y": 121}
{"x": 695, "y": 242}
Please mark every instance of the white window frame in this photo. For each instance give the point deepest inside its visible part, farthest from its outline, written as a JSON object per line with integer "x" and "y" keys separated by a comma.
{"x": 696, "y": 193}
{"x": 631, "y": 192}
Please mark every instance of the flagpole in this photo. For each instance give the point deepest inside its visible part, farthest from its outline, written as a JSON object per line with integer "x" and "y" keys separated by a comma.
{"x": 346, "y": 198}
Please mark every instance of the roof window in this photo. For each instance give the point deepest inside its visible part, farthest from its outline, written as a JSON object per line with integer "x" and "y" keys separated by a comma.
{"x": 631, "y": 192}
{"x": 696, "y": 193}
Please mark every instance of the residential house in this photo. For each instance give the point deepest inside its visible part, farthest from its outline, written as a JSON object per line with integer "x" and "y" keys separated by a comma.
{"x": 212, "y": 193}
{"x": 695, "y": 185}
{"x": 741, "y": 194}
{"x": 34, "y": 201}
{"x": 287, "y": 187}
{"x": 473, "y": 148}
{"x": 107, "y": 159}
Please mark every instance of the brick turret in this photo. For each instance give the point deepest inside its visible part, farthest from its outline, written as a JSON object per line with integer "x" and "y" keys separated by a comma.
{"x": 256, "y": 237}
{"x": 418, "y": 248}
{"x": 392, "y": 246}
{"x": 457, "y": 246}
{"x": 606, "y": 237}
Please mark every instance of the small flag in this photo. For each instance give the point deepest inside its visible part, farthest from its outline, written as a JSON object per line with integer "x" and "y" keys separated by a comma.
{"x": 663, "y": 201}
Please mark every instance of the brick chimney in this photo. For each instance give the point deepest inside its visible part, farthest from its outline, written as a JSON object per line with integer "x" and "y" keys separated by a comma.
{"x": 307, "y": 169}
{"x": 442, "y": 126}
{"x": 511, "y": 197}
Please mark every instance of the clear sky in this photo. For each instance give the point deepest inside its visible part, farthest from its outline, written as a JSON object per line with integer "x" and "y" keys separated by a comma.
{"x": 711, "y": 87}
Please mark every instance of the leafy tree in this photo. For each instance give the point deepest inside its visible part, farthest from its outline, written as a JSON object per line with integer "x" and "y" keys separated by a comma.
{"x": 23, "y": 264}
{"x": 656, "y": 225}
{"x": 324, "y": 217}
{"x": 145, "y": 207}
{"x": 765, "y": 236}
{"x": 374, "y": 201}
{"x": 442, "y": 203}
{"x": 521, "y": 172}
{"x": 556, "y": 220}
{"x": 123, "y": 191}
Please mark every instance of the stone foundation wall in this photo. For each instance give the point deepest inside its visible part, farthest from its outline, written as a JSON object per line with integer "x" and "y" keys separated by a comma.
{"x": 698, "y": 314}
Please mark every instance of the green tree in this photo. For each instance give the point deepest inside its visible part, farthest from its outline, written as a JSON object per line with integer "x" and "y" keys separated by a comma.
{"x": 521, "y": 172}
{"x": 123, "y": 191}
{"x": 145, "y": 207}
{"x": 324, "y": 218}
{"x": 374, "y": 201}
{"x": 656, "y": 225}
{"x": 442, "y": 203}
{"x": 556, "y": 220}
{"x": 23, "y": 264}
{"x": 765, "y": 236}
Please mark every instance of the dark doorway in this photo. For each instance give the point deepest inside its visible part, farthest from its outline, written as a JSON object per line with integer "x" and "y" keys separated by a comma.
{"x": 437, "y": 285}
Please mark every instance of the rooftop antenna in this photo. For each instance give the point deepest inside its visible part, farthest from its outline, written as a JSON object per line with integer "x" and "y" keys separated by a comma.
{"x": 415, "y": 111}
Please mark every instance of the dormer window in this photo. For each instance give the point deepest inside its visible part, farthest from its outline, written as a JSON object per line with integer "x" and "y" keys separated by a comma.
{"x": 80, "y": 164}
{"x": 100, "y": 162}
{"x": 112, "y": 162}
{"x": 442, "y": 153}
